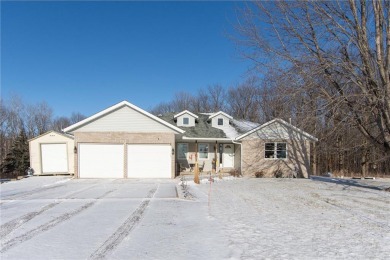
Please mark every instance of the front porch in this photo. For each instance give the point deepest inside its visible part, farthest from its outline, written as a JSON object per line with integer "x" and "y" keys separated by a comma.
{"x": 211, "y": 156}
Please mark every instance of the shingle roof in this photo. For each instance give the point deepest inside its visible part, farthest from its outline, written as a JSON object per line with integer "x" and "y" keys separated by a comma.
{"x": 202, "y": 128}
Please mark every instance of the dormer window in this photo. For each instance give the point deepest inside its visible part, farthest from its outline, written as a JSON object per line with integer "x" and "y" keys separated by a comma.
{"x": 220, "y": 121}
{"x": 185, "y": 119}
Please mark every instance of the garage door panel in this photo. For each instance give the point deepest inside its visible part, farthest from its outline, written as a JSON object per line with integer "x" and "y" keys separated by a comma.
{"x": 101, "y": 160}
{"x": 54, "y": 158}
{"x": 149, "y": 161}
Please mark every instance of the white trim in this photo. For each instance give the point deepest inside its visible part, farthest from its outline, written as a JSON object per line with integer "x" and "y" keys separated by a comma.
{"x": 279, "y": 121}
{"x": 275, "y": 150}
{"x": 220, "y": 113}
{"x": 185, "y": 112}
{"x": 52, "y": 131}
{"x": 114, "y": 107}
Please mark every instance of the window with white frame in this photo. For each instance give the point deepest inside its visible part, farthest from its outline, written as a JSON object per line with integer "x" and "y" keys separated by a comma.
{"x": 182, "y": 150}
{"x": 275, "y": 150}
{"x": 220, "y": 121}
{"x": 203, "y": 151}
{"x": 186, "y": 120}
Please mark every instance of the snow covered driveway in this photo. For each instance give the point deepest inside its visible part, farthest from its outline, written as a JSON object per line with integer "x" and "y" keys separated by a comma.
{"x": 62, "y": 218}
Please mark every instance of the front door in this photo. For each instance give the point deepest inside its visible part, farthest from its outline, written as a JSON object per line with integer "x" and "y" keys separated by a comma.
{"x": 228, "y": 155}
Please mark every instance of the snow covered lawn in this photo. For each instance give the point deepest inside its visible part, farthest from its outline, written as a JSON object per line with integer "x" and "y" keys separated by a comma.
{"x": 63, "y": 218}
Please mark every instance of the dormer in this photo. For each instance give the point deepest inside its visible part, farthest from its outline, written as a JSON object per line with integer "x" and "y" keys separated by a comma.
{"x": 220, "y": 120}
{"x": 185, "y": 119}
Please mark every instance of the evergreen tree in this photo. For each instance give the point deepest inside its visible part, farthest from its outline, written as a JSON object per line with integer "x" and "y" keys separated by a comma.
{"x": 17, "y": 159}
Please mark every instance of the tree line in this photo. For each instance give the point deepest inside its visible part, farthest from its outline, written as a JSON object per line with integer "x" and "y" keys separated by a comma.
{"x": 325, "y": 65}
{"x": 20, "y": 122}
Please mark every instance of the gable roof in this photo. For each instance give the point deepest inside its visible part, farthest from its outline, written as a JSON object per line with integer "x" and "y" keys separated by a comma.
{"x": 185, "y": 112}
{"x": 220, "y": 113}
{"x": 278, "y": 120}
{"x": 117, "y": 106}
{"x": 52, "y": 131}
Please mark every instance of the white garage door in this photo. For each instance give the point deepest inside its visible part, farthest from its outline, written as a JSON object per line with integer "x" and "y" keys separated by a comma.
{"x": 54, "y": 158}
{"x": 101, "y": 160}
{"x": 148, "y": 161}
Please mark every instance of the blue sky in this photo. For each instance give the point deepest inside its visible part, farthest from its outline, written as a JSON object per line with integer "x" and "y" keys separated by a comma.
{"x": 86, "y": 56}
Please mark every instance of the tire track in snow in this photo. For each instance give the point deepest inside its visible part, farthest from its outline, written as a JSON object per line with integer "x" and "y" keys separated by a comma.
{"x": 124, "y": 230}
{"x": 49, "y": 225}
{"x": 10, "y": 226}
{"x": 21, "y": 195}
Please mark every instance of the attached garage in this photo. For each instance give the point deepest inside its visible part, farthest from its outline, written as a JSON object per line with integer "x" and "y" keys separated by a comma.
{"x": 101, "y": 160}
{"x": 52, "y": 153}
{"x": 124, "y": 141}
{"x": 149, "y": 161}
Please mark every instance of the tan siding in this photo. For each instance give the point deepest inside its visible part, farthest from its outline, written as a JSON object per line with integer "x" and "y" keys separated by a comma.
{"x": 125, "y": 138}
{"x": 273, "y": 131}
{"x": 125, "y": 119}
{"x": 50, "y": 138}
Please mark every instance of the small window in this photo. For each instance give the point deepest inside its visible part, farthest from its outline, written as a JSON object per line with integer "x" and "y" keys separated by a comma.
{"x": 275, "y": 150}
{"x": 203, "y": 151}
{"x": 182, "y": 151}
{"x": 186, "y": 121}
{"x": 220, "y": 121}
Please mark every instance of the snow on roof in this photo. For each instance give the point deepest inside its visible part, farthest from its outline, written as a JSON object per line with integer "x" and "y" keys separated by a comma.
{"x": 244, "y": 126}
{"x": 238, "y": 127}
{"x": 231, "y": 132}
{"x": 280, "y": 121}
{"x": 185, "y": 112}
{"x": 220, "y": 113}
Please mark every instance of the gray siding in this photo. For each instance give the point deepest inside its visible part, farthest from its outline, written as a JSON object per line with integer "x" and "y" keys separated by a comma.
{"x": 125, "y": 119}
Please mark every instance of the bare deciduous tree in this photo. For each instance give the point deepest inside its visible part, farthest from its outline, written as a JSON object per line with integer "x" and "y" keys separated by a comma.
{"x": 76, "y": 117}
{"x": 244, "y": 100}
{"x": 217, "y": 97}
{"x": 343, "y": 44}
